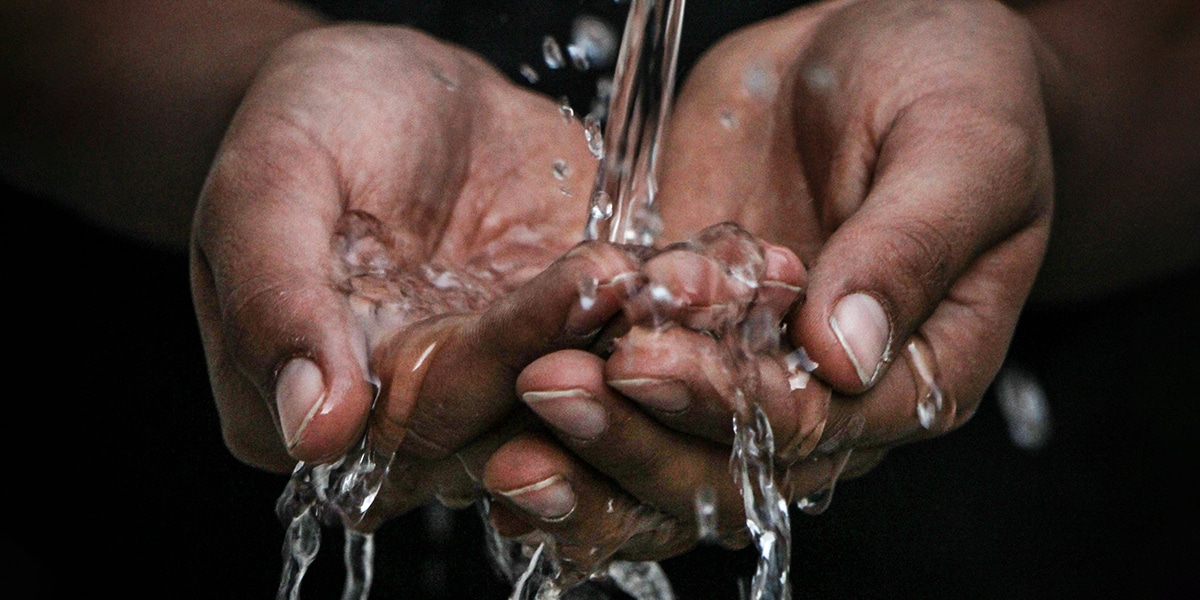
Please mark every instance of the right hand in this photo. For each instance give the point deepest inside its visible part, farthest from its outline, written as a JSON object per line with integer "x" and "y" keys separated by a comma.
{"x": 901, "y": 150}
{"x": 385, "y": 210}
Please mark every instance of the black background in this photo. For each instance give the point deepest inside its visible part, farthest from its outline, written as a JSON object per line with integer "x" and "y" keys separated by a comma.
{"x": 117, "y": 479}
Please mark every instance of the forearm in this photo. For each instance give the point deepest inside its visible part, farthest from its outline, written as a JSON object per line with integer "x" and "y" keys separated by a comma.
{"x": 1125, "y": 116}
{"x": 116, "y": 108}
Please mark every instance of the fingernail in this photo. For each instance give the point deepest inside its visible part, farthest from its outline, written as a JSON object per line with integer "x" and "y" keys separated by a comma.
{"x": 781, "y": 264}
{"x": 299, "y": 394}
{"x": 551, "y": 498}
{"x": 863, "y": 330}
{"x": 574, "y": 412}
{"x": 664, "y": 394}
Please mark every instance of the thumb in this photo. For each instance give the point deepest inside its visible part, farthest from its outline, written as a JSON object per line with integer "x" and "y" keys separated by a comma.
{"x": 950, "y": 184}
{"x": 287, "y": 358}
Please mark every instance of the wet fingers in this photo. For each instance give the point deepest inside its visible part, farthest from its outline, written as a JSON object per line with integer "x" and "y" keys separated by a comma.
{"x": 539, "y": 489}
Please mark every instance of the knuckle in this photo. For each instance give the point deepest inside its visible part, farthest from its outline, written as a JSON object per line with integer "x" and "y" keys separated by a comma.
{"x": 919, "y": 254}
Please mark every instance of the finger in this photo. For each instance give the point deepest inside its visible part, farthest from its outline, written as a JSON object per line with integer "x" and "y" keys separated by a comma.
{"x": 455, "y": 481}
{"x": 691, "y": 382}
{"x": 711, "y": 281}
{"x": 886, "y": 268}
{"x": 449, "y": 380}
{"x": 656, "y": 465}
{"x": 536, "y": 485}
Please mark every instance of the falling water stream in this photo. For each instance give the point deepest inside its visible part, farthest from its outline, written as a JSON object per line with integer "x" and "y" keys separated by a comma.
{"x": 622, "y": 210}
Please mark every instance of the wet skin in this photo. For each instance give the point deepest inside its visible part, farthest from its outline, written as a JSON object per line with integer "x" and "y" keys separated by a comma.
{"x": 902, "y": 205}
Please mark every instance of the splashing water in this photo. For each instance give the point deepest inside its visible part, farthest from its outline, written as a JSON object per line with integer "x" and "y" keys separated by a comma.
{"x": 621, "y": 210}
{"x": 536, "y": 571}
{"x": 637, "y": 116}
{"x": 333, "y": 494}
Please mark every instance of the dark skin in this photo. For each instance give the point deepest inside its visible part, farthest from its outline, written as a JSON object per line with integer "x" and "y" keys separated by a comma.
{"x": 866, "y": 169}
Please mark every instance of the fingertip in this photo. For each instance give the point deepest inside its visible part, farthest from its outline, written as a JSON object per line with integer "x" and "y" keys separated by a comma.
{"x": 299, "y": 393}
{"x": 849, "y": 338}
{"x": 531, "y": 477}
{"x": 864, "y": 331}
{"x": 783, "y": 266}
{"x": 318, "y": 419}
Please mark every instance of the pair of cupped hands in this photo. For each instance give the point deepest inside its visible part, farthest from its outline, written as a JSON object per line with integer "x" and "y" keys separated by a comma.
{"x": 390, "y": 241}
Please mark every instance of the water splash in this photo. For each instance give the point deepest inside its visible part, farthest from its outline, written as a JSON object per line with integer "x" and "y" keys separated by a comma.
{"x": 594, "y": 134}
{"x": 637, "y": 116}
{"x": 561, "y": 169}
{"x": 766, "y": 509}
{"x": 358, "y": 558}
{"x": 336, "y": 494}
{"x": 593, "y": 43}
{"x": 534, "y": 568}
{"x": 529, "y": 73}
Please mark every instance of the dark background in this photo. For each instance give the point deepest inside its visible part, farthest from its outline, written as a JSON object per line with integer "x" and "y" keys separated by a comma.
{"x": 117, "y": 479}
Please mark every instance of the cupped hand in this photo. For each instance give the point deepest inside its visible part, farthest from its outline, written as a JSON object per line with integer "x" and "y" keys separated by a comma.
{"x": 901, "y": 150}
{"x": 389, "y": 233}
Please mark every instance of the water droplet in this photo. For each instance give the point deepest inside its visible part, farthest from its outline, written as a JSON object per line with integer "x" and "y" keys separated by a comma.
{"x": 587, "y": 292}
{"x": 816, "y": 502}
{"x": 1024, "y": 406}
{"x": 564, "y": 108}
{"x": 641, "y": 580}
{"x": 579, "y": 57}
{"x": 593, "y": 43}
{"x": 799, "y": 367}
{"x": 602, "y": 206}
{"x": 529, "y": 73}
{"x": 929, "y": 394}
{"x": 595, "y": 137}
{"x": 445, "y": 80}
{"x": 728, "y": 121}
{"x": 552, "y": 53}
{"x": 819, "y": 78}
{"x": 661, "y": 294}
{"x": 799, "y": 358}
{"x": 561, "y": 169}
{"x": 760, "y": 82}
{"x": 706, "y": 513}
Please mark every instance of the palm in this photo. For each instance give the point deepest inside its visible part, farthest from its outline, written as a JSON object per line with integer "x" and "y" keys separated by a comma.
{"x": 374, "y": 183}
